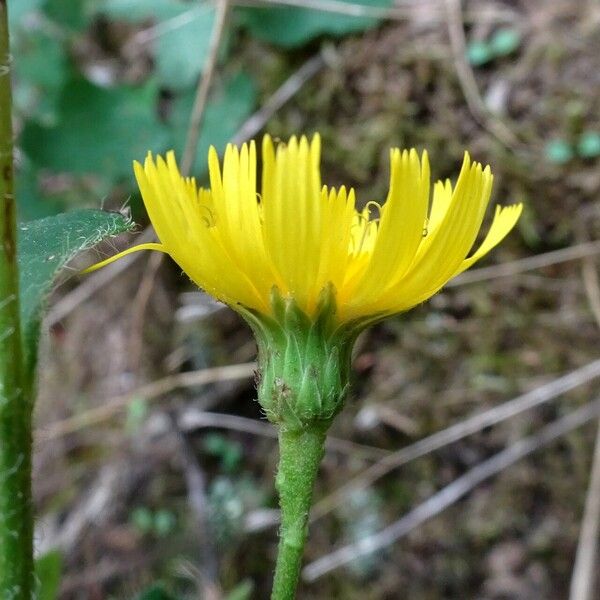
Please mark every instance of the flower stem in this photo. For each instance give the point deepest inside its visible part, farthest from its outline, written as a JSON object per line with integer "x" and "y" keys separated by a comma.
{"x": 16, "y": 519}
{"x": 300, "y": 453}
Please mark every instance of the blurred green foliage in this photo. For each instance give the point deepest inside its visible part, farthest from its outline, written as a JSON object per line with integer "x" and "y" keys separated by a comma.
{"x": 82, "y": 121}
{"x": 504, "y": 42}
{"x": 155, "y": 592}
{"x": 159, "y": 523}
{"x": 589, "y": 145}
{"x": 229, "y": 452}
{"x": 558, "y": 151}
{"x": 290, "y": 26}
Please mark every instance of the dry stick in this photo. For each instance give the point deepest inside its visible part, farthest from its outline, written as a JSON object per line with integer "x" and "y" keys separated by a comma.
{"x": 453, "y": 492}
{"x": 141, "y": 38}
{"x": 586, "y": 566}
{"x": 147, "y": 392}
{"x": 189, "y": 154}
{"x": 187, "y": 162}
{"x": 192, "y": 418}
{"x": 90, "y": 286}
{"x": 584, "y": 569}
{"x": 457, "y": 432}
{"x": 467, "y": 80}
{"x": 287, "y": 90}
{"x": 96, "y": 281}
{"x": 196, "y": 491}
{"x": 138, "y": 312}
{"x": 530, "y": 263}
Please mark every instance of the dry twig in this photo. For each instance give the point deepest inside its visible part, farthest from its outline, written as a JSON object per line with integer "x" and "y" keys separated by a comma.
{"x": 287, "y": 90}
{"x": 196, "y": 491}
{"x": 204, "y": 83}
{"x": 467, "y": 80}
{"x": 138, "y": 312}
{"x": 583, "y": 578}
{"x": 456, "y": 432}
{"x": 539, "y": 261}
{"x": 453, "y": 492}
{"x": 191, "y": 419}
{"x": 147, "y": 392}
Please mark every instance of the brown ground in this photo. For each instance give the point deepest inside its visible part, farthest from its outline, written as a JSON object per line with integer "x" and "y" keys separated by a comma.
{"x": 114, "y": 496}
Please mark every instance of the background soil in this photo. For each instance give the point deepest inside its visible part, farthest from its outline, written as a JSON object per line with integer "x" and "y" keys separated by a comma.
{"x": 144, "y": 494}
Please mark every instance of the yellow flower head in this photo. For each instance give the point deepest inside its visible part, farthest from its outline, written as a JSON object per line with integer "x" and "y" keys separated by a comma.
{"x": 238, "y": 241}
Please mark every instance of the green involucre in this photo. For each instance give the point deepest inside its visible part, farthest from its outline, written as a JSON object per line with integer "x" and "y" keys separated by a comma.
{"x": 304, "y": 364}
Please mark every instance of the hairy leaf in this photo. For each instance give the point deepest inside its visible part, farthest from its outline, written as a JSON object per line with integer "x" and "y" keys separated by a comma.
{"x": 44, "y": 247}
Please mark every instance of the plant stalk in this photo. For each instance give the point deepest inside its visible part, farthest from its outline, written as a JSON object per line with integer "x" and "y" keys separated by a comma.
{"x": 16, "y": 518}
{"x": 300, "y": 453}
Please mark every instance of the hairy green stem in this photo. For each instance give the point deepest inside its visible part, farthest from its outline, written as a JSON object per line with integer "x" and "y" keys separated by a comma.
{"x": 16, "y": 519}
{"x": 300, "y": 453}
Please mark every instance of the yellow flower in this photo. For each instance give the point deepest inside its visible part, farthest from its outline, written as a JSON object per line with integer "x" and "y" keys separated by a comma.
{"x": 296, "y": 235}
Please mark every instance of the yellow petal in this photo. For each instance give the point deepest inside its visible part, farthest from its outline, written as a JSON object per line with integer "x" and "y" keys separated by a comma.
{"x": 107, "y": 261}
{"x": 505, "y": 219}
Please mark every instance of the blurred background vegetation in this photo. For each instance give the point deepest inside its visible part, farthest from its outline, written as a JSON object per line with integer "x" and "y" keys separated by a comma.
{"x": 153, "y": 467}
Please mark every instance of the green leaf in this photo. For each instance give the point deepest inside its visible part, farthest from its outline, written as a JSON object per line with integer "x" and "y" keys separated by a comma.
{"x": 589, "y": 145}
{"x": 227, "y": 110}
{"x": 134, "y": 11}
{"x": 74, "y": 14}
{"x": 558, "y": 151}
{"x": 48, "y": 569}
{"x": 479, "y": 53}
{"x": 32, "y": 203}
{"x": 156, "y": 592}
{"x": 181, "y": 52}
{"x": 100, "y": 131}
{"x": 18, "y": 10}
{"x": 290, "y": 27}
{"x": 242, "y": 591}
{"x": 183, "y": 32}
{"x": 40, "y": 67}
{"x": 44, "y": 247}
{"x": 505, "y": 41}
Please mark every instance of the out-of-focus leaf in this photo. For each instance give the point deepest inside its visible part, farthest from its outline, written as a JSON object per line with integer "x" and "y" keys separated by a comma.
{"x": 43, "y": 248}
{"x": 31, "y": 202}
{"x": 100, "y": 131}
{"x": 139, "y": 10}
{"x": 181, "y": 51}
{"x": 17, "y": 10}
{"x": 479, "y": 53}
{"x": 290, "y": 27}
{"x": 558, "y": 151}
{"x": 48, "y": 569}
{"x": 40, "y": 67}
{"x": 227, "y": 110}
{"x": 242, "y": 591}
{"x": 74, "y": 14}
{"x": 505, "y": 41}
{"x": 183, "y": 31}
{"x": 156, "y": 592}
{"x": 589, "y": 145}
